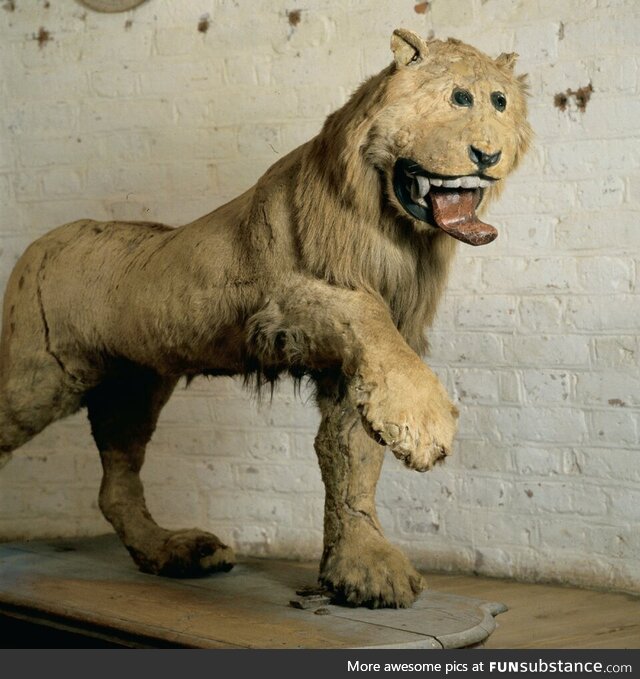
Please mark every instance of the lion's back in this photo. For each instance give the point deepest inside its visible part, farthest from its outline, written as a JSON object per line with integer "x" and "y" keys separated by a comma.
{"x": 75, "y": 273}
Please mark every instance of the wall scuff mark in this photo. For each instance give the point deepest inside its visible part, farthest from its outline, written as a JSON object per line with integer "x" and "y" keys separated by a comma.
{"x": 580, "y": 96}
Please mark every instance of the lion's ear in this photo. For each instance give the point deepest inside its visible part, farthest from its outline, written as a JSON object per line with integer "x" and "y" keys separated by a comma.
{"x": 407, "y": 47}
{"x": 507, "y": 60}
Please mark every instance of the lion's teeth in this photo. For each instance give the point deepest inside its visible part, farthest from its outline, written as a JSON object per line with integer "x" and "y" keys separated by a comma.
{"x": 419, "y": 189}
{"x": 423, "y": 185}
{"x": 416, "y": 196}
{"x": 469, "y": 182}
{"x": 420, "y": 184}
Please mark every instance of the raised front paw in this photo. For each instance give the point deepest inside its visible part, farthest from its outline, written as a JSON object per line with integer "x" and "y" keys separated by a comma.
{"x": 409, "y": 411}
{"x": 370, "y": 573}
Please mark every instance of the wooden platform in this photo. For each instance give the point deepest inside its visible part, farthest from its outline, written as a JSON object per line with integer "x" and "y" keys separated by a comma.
{"x": 91, "y": 586}
{"x": 551, "y": 616}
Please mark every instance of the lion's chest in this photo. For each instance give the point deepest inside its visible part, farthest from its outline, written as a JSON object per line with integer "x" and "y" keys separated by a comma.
{"x": 418, "y": 286}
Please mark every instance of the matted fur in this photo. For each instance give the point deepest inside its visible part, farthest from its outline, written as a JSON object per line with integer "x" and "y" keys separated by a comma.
{"x": 316, "y": 270}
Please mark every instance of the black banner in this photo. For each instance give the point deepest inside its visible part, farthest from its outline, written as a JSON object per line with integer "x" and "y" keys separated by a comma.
{"x": 303, "y": 664}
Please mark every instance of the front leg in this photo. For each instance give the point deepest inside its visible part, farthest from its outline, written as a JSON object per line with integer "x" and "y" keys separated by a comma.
{"x": 358, "y": 564}
{"x": 309, "y": 325}
{"x": 404, "y": 406}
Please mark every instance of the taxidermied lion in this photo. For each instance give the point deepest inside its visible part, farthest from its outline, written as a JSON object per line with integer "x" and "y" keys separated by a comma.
{"x": 330, "y": 266}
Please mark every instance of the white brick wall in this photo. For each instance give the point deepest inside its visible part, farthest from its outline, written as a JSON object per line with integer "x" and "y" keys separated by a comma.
{"x": 537, "y": 338}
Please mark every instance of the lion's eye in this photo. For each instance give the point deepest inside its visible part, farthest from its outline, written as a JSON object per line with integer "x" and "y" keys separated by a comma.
{"x": 462, "y": 97}
{"x": 499, "y": 101}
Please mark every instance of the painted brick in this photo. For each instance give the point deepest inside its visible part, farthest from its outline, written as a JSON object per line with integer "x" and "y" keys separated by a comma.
{"x": 596, "y": 274}
{"x": 5, "y": 189}
{"x": 535, "y": 461}
{"x": 482, "y": 455}
{"x": 557, "y": 425}
{"x": 180, "y": 80}
{"x": 604, "y": 313}
{"x": 467, "y": 348}
{"x": 621, "y": 351}
{"x": 491, "y": 311}
{"x": 116, "y": 84}
{"x": 253, "y": 540}
{"x": 582, "y": 159}
{"x": 53, "y": 152}
{"x": 62, "y": 182}
{"x": 627, "y": 505}
{"x": 510, "y": 387}
{"x": 259, "y": 103}
{"x": 124, "y": 46}
{"x": 261, "y": 506}
{"x": 616, "y": 426}
{"x": 547, "y": 386}
{"x": 37, "y": 121}
{"x": 476, "y": 386}
{"x": 596, "y": 194}
{"x": 105, "y": 115}
{"x": 615, "y": 75}
{"x": 618, "y": 389}
{"x": 302, "y": 71}
{"x": 530, "y": 233}
{"x": 539, "y": 197}
{"x": 613, "y": 231}
{"x": 606, "y": 463}
{"x": 452, "y": 13}
{"x": 465, "y": 275}
{"x": 529, "y": 275}
{"x": 541, "y": 314}
{"x": 483, "y": 491}
{"x": 47, "y": 85}
{"x": 176, "y": 41}
{"x": 547, "y": 350}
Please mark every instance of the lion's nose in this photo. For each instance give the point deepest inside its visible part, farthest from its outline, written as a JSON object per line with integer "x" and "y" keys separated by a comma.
{"x": 482, "y": 159}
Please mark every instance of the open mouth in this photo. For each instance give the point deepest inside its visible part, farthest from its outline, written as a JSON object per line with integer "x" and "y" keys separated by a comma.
{"x": 443, "y": 201}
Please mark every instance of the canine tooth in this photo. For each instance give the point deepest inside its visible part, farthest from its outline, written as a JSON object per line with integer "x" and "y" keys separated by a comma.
{"x": 416, "y": 196}
{"x": 451, "y": 183}
{"x": 423, "y": 185}
{"x": 436, "y": 182}
{"x": 469, "y": 182}
{"x": 484, "y": 183}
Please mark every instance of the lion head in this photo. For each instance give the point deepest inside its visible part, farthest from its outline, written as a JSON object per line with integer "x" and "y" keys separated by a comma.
{"x": 452, "y": 127}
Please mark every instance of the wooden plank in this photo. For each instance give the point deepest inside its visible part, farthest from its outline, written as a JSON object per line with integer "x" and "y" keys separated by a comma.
{"x": 540, "y": 616}
{"x": 93, "y": 583}
{"x": 552, "y": 616}
{"x": 454, "y": 621}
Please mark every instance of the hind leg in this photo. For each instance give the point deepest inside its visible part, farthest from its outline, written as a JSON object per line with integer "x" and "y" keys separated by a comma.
{"x": 358, "y": 564}
{"x": 35, "y": 386}
{"x": 34, "y": 391}
{"x": 123, "y": 414}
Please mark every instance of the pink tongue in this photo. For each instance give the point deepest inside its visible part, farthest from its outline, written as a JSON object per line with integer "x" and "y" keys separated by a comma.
{"x": 455, "y": 212}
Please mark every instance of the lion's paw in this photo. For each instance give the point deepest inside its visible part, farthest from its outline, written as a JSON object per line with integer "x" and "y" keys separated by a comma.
{"x": 414, "y": 417}
{"x": 186, "y": 554}
{"x": 381, "y": 577}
